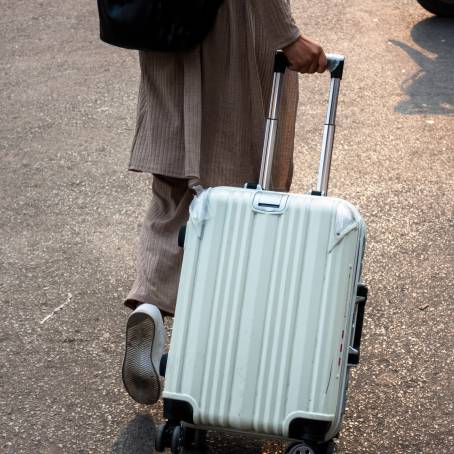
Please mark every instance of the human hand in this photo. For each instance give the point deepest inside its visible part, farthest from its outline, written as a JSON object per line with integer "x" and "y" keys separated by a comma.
{"x": 305, "y": 56}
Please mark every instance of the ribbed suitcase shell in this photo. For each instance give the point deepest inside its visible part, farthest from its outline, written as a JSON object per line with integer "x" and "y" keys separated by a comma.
{"x": 265, "y": 310}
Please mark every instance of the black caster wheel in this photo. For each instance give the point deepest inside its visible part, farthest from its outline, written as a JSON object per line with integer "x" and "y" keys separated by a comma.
{"x": 302, "y": 448}
{"x": 299, "y": 448}
{"x": 194, "y": 438}
{"x": 160, "y": 442}
{"x": 178, "y": 440}
{"x": 163, "y": 437}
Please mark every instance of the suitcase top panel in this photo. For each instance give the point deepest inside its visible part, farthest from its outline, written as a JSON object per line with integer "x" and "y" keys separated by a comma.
{"x": 274, "y": 203}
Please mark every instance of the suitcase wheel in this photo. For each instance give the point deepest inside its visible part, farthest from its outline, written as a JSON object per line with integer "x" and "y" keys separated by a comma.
{"x": 187, "y": 437}
{"x": 299, "y": 448}
{"x": 320, "y": 448}
{"x": 177, "y": 443}
{"x": 163, "y": 437}
{"x": 160, "y": 443}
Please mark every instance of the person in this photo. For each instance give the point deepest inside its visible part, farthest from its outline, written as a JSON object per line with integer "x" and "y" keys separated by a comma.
{"x": 200, "y": 123}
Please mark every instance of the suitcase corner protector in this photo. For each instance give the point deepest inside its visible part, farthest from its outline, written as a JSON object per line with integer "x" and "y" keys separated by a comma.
{"x": 179, "y": 408}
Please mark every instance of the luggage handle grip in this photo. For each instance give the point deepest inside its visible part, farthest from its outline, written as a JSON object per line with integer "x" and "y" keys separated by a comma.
{"x": 335, "y": 64}
{"x": 361, "y": 301}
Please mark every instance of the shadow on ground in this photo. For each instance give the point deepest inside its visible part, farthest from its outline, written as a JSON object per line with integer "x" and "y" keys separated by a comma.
{"x": 430, "y": 89}
{"x": 138, "y": 436}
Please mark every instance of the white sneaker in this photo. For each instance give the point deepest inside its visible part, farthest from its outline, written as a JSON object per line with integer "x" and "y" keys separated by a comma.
{"x": 144, "y": 348}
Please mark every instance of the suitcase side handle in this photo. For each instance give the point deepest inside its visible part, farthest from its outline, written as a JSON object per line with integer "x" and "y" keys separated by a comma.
{"x": 355, "y": 348}
{"x": 335, "y": 64}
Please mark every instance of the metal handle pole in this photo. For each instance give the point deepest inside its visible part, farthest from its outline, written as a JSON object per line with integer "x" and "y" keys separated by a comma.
{"x": 280, "y": 65}
{"x": 336, "y": 67}
{"x": 328, "y": 138}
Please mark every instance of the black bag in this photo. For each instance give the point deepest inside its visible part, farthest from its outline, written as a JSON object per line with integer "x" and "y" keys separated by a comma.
{"x": 158, "y": 25}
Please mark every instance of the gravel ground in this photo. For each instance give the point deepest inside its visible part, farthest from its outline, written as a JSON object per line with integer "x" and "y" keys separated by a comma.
{"x": 70, "y": 212}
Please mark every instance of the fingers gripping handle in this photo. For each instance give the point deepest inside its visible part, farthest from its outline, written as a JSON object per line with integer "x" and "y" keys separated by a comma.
{"x": 334, "y": 64}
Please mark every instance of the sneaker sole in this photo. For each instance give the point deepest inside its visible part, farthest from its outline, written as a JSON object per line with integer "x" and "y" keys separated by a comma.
{"x": 140, "y": 377}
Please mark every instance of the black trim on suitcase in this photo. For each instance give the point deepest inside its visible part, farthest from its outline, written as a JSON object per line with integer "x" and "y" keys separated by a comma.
{"x": 182, "y": 235}
{"x": 178, "y": 410}
{"x": 361, "y": 300}
{"x": 308, "y": 429}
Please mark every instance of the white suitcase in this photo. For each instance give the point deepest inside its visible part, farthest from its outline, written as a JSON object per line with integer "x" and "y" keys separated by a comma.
{"x": 264, "y": 330}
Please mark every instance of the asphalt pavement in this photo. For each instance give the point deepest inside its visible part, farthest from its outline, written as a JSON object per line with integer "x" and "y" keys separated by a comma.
{"x": 70, "y": 213}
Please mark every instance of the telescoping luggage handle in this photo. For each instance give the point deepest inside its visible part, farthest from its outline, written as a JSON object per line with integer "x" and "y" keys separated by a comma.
{"x": 336, "y": 68}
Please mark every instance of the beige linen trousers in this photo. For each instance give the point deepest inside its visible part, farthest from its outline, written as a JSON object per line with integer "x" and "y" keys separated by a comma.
{"x": 201, "y": 120}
